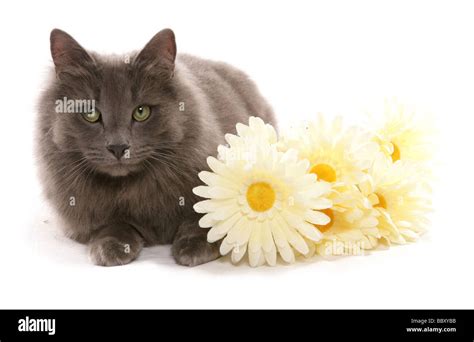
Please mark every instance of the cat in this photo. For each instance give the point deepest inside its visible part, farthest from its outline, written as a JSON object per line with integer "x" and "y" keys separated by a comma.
{"x": 120, "y": 173}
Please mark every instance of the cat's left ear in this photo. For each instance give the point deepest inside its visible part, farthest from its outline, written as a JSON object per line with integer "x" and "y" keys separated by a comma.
{"x": 160, "y": 52}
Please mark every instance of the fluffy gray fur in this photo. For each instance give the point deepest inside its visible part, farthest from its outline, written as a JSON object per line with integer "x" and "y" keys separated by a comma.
{"x": 118, "y": 206}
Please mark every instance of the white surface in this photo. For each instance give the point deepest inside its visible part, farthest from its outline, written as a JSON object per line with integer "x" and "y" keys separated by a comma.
{"x": 306, "y": 57}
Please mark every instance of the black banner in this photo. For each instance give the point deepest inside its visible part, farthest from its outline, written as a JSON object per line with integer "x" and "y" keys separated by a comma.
{"x": 136, "y": 325}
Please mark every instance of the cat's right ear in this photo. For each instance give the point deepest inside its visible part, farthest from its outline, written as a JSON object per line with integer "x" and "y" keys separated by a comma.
{"x": 66, "y": 52}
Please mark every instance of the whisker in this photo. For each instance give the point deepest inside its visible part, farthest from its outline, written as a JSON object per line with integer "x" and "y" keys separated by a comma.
{"x": 77, "y": 171}
{"x": 79, "y": 174}
{"x": 168, "y": 164}
{"x": 73, "y": 166}
{"x": 169, "y": 156}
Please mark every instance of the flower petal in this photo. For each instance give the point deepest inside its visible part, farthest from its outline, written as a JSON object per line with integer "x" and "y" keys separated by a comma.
{"x": 271, "y": 256}
{"x": 316, "y": 217}
{"x": 241, "y": 232}
{"x": 225, "y": 247}
{"x": 222, "y": 228}
{"x": 267, "y": 238}
{"x": 296, "y": 240}
{"x": 309, "y": 231}
{"x": 320, "y": 203}
{"x": 218, "y": 192}
{"x": 202, "y": 191}
{"x": 207, "y": 221}
{"x": 238, "y": 253}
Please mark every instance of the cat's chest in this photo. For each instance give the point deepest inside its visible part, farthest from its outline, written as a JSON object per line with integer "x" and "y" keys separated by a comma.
{"x": 154, "y": 208}
{"x": 143, "y": 201}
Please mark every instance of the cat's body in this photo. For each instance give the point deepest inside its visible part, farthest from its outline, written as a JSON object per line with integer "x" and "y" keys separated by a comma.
{"x": 117, "y": 204}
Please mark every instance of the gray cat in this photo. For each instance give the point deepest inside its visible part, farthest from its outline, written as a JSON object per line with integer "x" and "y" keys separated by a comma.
{"x": 120, "y": 173}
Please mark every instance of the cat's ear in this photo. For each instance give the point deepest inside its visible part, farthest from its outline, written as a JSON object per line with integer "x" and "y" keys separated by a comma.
{"x": 66, "y": 52}
{"x": 159, "y": 52}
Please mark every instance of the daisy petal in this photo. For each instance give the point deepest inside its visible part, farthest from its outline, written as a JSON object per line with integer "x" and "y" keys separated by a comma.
{"x": 271, "y": 256}
{"x": 207, "y": 221}
{"x": 320, "y": 203}
{"x": 316, "y": 217}
{"x": 222, "y": 193}
{"x": 222, "y": 228}
{"x": 238, "y": 253}
{"x": 202, "y": 191}
{"x": 254, "y": 257}
{"x": 225, "y": 247}
{"x": 267, "y": 238}
{"x": 241, "y": 232}
{"x": 309, "y": 231}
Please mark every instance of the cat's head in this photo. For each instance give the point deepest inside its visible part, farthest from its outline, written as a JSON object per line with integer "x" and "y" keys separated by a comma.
{"x": 115, "y": 112}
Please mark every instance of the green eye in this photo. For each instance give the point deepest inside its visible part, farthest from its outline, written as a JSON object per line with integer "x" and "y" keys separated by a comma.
{"x": 141, "y": 113}
{"x": 92, "y": 116}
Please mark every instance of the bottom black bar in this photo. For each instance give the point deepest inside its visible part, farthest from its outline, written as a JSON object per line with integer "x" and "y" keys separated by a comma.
{"x": 137, "y": 325}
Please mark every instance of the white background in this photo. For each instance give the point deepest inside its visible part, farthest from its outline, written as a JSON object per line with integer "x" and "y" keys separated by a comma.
{"x": 307, "y": 57}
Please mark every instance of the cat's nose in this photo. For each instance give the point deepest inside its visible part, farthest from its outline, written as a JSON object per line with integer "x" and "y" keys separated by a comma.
{"x": 117, "y": 150}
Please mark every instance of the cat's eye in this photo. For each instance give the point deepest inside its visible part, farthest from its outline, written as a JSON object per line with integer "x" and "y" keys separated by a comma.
{"x": 141, "y": 113}
{"x": 92, "y": 116}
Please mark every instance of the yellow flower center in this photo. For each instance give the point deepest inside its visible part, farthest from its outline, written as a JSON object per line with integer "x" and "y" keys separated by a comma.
{"x": 324, "y": 172}
{"x": 395, "y": 153}
{"x": 260, "y": 196}
{"x": 382, "y": 201}
{"x": 325, "y": 227}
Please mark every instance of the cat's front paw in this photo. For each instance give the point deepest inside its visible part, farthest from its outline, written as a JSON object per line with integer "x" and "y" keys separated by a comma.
{"x": 194, "y": 250}
{"x": 110, "y": 251}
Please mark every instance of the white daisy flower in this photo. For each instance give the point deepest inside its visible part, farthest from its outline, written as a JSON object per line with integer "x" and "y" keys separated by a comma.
{"x": 246, "y": 140}
{"x": 395, "y": 190}
{"x": 353, "y": 225}
{"x": 403, "y": 135}
{"x": 267, "y": 206}
{"x": 336, "y": 155}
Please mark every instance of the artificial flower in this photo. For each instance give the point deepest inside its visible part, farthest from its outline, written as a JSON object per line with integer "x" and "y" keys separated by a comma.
{"x": 403, "y": 135}
{"x": 264, "y": 207}
{"x": 353, "y": 226}
{"x": 395, "y": 191}
{"x": 247, "y": 138}
{"x": 337, "y": 155}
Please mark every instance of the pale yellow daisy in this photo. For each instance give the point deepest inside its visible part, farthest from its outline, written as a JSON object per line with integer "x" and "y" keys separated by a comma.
{"x": 403, "y": 135}
{"x": 246, "y": 140}
{"x": 337, "y": 155}
{"x": 265, "y": 207}
{"x": 353, "y": 225}
{"x": 395, "y": 190}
